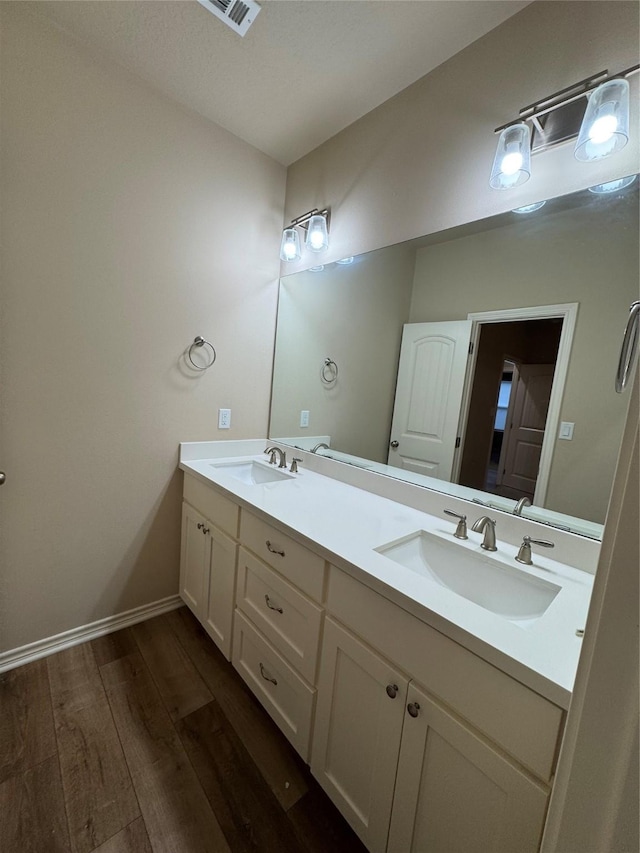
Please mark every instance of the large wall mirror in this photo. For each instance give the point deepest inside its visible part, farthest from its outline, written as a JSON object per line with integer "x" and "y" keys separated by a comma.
{"x": 372, "y": 357}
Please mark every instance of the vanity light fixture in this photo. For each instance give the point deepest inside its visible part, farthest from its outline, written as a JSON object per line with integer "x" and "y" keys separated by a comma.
{"x": 345, "y": 261}
{"x": 512, "y": 163}
{"x": 315, "y": 224}
{"x": 595, "y": 110}
{"x": 290, "y": 245}
{"x": 605, "y": 126}
{"x": 318, "y": 268}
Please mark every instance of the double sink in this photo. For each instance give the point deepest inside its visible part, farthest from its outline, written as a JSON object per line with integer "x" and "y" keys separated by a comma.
{"x": 490, "y": 582}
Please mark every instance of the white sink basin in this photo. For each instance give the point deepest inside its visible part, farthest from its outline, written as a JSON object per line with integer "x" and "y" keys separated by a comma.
{"x": 253, "y": 473}
{"x": 507, "y": 591}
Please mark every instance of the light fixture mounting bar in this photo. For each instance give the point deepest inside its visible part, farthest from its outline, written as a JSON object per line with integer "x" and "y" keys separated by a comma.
{"x": 565, "y": 96}
{"x": 303, "y": 221}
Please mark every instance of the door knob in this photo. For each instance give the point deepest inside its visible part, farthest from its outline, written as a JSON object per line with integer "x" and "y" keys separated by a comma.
{"x": 395, "y": 444}
{"x": 3, "y": 477}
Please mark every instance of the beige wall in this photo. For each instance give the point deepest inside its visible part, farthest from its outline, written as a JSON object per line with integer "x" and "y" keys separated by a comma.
{"x": 588, "y": 255}
{"x": 129, "y": 226}
{"x": 420, "y": 163}
{"x": 354, "y": 315}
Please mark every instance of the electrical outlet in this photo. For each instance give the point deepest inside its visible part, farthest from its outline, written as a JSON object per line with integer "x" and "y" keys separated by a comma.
{"x": 224, "y": 418}
{"x": 304, "y": 418}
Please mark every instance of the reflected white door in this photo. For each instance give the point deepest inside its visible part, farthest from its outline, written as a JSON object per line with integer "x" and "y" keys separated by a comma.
{"x": 431, "y": 374}
{"x": 524, "y": 433}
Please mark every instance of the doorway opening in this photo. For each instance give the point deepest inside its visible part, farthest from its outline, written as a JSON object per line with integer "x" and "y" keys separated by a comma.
{"x": 500, "y": 421}
{"x": 508, "y": 406}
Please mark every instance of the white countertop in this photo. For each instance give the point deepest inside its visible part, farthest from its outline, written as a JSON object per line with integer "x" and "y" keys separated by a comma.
{"x": 346, "y": 524}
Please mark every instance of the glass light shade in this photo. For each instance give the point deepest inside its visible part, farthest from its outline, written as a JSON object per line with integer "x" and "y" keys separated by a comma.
{"x": 317, "y": 234}
{"x": 290, "y": 246}
{"x": 512, "y": 163}
{"x": 605, "y": 126}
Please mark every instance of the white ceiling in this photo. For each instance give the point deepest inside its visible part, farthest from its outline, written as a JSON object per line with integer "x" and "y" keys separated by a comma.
{"x": 305, "y": 70}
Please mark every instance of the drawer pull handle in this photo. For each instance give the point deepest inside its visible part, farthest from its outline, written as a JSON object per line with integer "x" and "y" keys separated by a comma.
{"x": 267, "y": 677}
{"x": 413, "y": 708}
{"x": 274, "y": 550}
{"x": 392, "y": 691}
{"x": 272, "y": 606}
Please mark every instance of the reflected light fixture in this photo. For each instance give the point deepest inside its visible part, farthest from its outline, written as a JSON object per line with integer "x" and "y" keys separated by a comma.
{"x": 315, "y": 224}
{"x": 529, "y": 208}
{"x": 595, "y": 110}
{"x": 613, "y": 186}
{"x": 345, "y": 261}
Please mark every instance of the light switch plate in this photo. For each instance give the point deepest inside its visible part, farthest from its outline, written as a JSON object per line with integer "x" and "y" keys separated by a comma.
{"x": 566, "y": 430}
{"x": 304, "y": 418}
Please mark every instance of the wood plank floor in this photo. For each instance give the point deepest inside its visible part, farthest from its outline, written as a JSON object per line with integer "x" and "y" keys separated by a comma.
{"x": 148, "y": 740}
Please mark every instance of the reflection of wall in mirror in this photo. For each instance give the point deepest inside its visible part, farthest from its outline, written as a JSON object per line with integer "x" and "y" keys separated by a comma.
{"x": 354, "y": 314}
{"x": 587, "y": 256}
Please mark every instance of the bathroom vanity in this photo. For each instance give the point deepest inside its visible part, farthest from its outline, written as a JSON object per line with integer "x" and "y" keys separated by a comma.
{"x": 429, "y": 703}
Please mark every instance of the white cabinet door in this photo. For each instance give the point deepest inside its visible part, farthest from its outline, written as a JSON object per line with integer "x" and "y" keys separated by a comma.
{"x": 220, "y": 589}
{"x": 208, "y": 576}
{"x": 194, "y": 558}
{"x": 360, "y": 708}
{"x": 456, "y": 793}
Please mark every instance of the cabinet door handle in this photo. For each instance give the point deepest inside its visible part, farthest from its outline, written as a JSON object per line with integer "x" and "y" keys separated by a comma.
{"x": 200, "y": 525}
{"x": 392, "y": 691}
{"x": 272, "y": 606}
{"x": 205, "y": 530}
{"x": 267, "y": 677}
{"x": 274, "y": 550}
{"x": 413, "y": 708}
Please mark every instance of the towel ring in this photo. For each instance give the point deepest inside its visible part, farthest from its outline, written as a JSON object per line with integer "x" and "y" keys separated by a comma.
{"x": 329, "y": 372}
{"x": 199, "y": 341}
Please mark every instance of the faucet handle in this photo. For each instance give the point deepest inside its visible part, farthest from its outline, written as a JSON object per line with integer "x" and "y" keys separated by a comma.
{"x": 294, "y": 464}
{"x": 461, "y": 529}
{"x": 524, "y": 554}
{"x": 271, "y": 452}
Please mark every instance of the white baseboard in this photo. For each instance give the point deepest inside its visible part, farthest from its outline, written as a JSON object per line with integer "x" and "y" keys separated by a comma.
{"x": 51, "y": 645}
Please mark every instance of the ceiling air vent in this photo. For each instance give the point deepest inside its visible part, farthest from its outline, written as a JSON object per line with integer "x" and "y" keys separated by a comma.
{"x": 237, "y": 14}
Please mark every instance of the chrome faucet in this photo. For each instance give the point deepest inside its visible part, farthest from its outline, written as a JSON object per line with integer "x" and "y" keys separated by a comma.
{"x": 272, "y": 451}
{"x": 318, "y": 446}
{"x": 522, "y": 503}
{"x": 488, "y": 526}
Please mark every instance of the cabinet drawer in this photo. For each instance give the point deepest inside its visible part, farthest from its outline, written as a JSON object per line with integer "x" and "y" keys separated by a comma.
{"x": 223, "y": 512}
{"x": 299, "y": 565}
{"x": 285, "y": 696}
{"x": 502, "y": 708}
{"x": 288, "y": 619}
